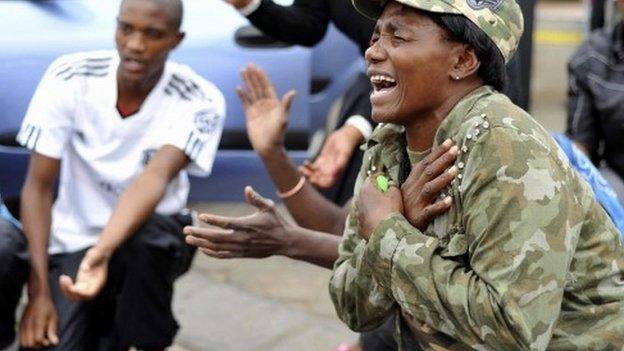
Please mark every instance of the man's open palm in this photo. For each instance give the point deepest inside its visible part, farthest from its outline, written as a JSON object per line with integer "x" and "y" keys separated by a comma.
{"x": 90, "y": 279}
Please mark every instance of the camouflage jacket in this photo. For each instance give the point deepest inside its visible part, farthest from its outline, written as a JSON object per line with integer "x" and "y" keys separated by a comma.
{"x": 525, "y": 259}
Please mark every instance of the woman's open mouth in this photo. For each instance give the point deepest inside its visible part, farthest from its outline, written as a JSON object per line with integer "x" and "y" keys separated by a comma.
{"x": 383, "y": 86}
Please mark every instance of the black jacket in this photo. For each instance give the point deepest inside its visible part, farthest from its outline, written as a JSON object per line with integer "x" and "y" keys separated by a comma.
{"x": 596, "y": 97}
{"x": 306, "y": 21}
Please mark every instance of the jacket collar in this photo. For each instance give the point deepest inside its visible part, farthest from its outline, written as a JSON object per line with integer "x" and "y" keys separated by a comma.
{"x": 388, "y": 131}
{"x": 388, "y": 136}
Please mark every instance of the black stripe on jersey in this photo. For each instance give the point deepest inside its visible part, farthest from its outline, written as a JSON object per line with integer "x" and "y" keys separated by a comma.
{"x": 197, "y": 148}
{"x": 192, "y": 151}
{"x": 189, "y": 143}
{"x": 186, "y": 88}
{"x": 65, "y": 66}
{"x": 171, "y": 87}
{"x": 190, "y": 86}
{"x": 35, "y": 140}
{"x": 193, "y": 146}
{"x": 188, "y": 140}
{"x": 101, "y": 68}
{"x": 33, "y": 129}
{"x": 30, "y": 137}
{"x": 23, "y": 132}
{"x": 86, "y": 74}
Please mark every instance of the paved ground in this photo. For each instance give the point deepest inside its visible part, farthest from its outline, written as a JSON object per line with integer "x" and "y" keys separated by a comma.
{"x": 279, "y": 304}
{"x": 270, "y": 304}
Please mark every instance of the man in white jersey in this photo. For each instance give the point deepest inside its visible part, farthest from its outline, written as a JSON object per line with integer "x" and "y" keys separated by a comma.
{"x": 123, "y": 128}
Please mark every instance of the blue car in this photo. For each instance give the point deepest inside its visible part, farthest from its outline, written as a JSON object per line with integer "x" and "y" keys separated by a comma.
{"x": 218, "y": 44}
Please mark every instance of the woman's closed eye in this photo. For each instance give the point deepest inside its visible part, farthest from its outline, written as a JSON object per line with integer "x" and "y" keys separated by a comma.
{"x": 398, "y": 38}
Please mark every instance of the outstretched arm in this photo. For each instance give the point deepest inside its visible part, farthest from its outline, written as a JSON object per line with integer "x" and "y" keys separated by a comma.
{"x": 133, "y": 208}
{"x": 262, "y": 234}
{"x": 267, "y": 120}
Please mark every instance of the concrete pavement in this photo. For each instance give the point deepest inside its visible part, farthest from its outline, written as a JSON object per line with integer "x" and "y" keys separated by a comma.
{"x": 269, "y": 304}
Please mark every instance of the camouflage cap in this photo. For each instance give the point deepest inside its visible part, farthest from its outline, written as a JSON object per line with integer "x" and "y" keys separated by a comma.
{"x": 501, "y": 20}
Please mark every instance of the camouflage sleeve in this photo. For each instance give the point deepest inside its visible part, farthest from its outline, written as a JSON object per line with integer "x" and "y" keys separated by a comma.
{"x": 499, "y": 283}
{"x": 359, "y": 301}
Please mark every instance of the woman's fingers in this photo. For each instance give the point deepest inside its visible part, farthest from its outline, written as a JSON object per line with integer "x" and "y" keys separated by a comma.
{"x": 287, "y": 99}
{"x": 214, "y": 246}
{"x": 249, "y": 84}
{"x": 225, "y": 222}
{"x": 440, "y": 164}
{"x": 219, "y": 254}
{"x": 432, "y": 188}
{"x": 264, "y": 83}
{"x": 434, "y": 210}
{"x": 213, "y": 234}
{"x": 243, "y": 97}
{"x": 434, "y": 155}
{"x": 256, "y": 82}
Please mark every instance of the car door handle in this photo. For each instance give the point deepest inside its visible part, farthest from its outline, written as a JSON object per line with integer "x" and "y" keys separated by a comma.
{"x": 318, "y": 84}
{"x": 251, "y": 37}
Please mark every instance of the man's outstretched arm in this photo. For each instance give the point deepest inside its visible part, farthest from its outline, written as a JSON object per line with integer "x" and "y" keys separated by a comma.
{"x": 136, "y": 203}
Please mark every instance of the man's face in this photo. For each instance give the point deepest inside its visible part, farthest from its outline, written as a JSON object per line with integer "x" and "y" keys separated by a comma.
{"x": 145, "y": 35}
{"x": 408, "y": 64}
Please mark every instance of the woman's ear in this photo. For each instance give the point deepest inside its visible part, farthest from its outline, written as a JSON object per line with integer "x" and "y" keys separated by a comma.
{"x": 466, "y": 62}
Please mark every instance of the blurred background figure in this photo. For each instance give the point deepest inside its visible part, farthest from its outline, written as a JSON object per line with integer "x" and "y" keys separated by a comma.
{"x": 603, "y": 13}
{"x": 596, "y": 101}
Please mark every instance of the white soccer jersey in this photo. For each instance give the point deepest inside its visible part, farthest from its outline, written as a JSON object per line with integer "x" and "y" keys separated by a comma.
{"x": 73, "y": 117}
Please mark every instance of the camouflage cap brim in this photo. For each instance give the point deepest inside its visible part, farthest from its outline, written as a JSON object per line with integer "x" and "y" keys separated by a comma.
{"x": 501, "y": 20}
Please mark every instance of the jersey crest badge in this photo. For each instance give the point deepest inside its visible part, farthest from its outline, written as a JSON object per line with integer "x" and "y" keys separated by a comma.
{"x": 206, "y": 121}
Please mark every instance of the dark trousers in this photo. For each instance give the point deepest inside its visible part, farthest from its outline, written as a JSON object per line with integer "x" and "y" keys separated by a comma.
{"x": 382, "y": 337}
{"x": 134, "y": 308}
{"x": 13, "y": 274}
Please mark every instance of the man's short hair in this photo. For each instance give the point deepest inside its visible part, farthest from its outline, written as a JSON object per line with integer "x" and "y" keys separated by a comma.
{"x": 174, "y": 9}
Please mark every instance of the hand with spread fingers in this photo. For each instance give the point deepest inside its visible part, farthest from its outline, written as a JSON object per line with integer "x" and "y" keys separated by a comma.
{"x": 266, "y": 115}
{"x": 262, "y": 234}
{"x": 425, "y": 182}
{"x": 90, "y": 278}
{"x": 328, "y": 167}
{"x": 39, "y": 324}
